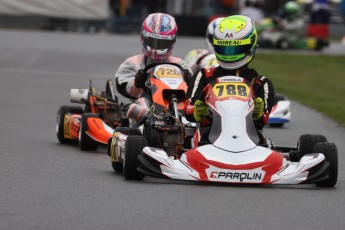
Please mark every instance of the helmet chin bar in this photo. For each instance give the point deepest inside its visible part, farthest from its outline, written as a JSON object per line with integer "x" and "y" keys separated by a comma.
{"x": 233, "y": 65}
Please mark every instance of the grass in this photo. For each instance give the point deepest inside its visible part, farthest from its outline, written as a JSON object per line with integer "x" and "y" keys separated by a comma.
{"x": 316, "y": 81}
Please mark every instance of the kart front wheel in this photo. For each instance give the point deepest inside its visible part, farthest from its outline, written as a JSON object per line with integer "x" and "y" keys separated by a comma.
{"x": 307, "y": 142}
{"x": 331, "y": 154}
{"x": 85, "y": 141}
{"x": 60, "y": 121}
{"x": 133, "y": 147}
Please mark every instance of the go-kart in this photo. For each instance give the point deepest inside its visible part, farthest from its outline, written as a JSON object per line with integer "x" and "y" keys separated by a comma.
{"x": 235, "y": 152}
{"x": 270, "y": 35}
{"x": 280, "y": 113}
{"x": 156, "y": 119}
{"x": 95, "y": 123}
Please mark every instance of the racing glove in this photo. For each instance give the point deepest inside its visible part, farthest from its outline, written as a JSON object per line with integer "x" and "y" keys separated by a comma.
{"x": 140, "y": 79}
{"x": 258, "y": 108}
{"x": 200, "y": 111}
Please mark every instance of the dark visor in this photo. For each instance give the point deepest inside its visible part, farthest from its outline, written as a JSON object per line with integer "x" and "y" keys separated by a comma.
{"x": 158, "y": 44}
{"x": 232, "y": 50}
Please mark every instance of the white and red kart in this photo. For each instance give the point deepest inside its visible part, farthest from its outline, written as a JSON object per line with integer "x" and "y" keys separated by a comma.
{"x": 235, "y": 153}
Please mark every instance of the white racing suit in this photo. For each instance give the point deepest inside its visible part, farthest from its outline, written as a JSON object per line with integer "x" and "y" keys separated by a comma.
{"x": 125, "y": 74}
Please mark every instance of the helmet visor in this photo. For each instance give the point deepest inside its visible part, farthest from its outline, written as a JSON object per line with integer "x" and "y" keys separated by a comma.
{"x": 232, "y": 50}
{"x": 158, "y": 42}
{"x": 232, "y": 47}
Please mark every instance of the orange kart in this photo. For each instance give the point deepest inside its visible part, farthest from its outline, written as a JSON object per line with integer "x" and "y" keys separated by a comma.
{"x": 94, "y": 124}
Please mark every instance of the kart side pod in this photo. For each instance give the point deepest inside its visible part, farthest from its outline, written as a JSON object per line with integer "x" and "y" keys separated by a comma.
{"x": 137, "y": 113}
{"x": 77, "y": 95}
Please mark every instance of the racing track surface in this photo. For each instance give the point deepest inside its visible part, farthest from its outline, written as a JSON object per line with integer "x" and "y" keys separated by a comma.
{"x": 46, "y": 185}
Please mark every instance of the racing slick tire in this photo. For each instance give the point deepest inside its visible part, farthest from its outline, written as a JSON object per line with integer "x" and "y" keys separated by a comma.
{"x": 118, "y": 166}
{"x": 85, "y": 141}
{"x": 60, "y": 121}
{"x": 331, "y": 154}
{"x": 133, "y": 147}
{"x": 307, "y": 142}
{"x": 128, "y": 131}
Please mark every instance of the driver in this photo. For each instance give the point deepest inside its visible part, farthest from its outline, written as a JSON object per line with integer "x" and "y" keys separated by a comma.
{"x": 234, "y": 43}
{"x": 158, "y": 37}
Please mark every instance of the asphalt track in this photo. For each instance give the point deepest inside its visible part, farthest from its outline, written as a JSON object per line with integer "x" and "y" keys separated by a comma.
{"x": 46, "y": 185}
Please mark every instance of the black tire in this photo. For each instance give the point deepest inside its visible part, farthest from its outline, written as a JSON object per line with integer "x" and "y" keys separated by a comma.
{"x": 283, "y": 44}
{"x": 86, "y": 143}
{"x": 128, "y": 131}
{"x": 331, "y": 154}
{"x": 133, "y": 147}
{"x": 63, "y": 110}
{"x": 277, "y": 125}
{"x": 307, "y": 142}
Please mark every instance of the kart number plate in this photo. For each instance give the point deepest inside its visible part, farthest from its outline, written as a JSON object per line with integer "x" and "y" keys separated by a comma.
{"x": 231, "y": 89}
{"x": 168, "y": 72}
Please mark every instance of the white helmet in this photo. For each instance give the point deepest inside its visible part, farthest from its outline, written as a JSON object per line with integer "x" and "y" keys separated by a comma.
{"x": 235, "y": 41}
{"x": 210, "y": 32}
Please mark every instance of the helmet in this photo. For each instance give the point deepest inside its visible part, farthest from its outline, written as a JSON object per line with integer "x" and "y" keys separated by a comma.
{"x": 235, "y": 42}
{"x": 158, "y": 36}
{"x": 210, "y": 31}
{"x": 291, "y": 9}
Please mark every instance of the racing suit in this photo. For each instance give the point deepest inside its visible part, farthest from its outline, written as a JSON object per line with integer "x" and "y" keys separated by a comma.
{"x": 125, "y": 74}
{"x": 262, "y": 86}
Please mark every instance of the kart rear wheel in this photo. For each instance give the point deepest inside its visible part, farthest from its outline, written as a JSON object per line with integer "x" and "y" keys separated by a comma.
{"x": 85, "y": 141}
{"x": 307, "y": 142}
{"x": 331, "y": 154}
{"x": 133, "y": 147}
{"x": 60, "y": 121}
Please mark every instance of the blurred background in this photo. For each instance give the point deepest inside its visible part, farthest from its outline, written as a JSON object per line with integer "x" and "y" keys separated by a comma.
{"x": 125, "y": 16}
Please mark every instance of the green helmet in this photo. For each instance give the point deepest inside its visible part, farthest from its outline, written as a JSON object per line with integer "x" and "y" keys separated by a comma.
{"x": 235, "y": 41}
{"x": 291, "y": 9}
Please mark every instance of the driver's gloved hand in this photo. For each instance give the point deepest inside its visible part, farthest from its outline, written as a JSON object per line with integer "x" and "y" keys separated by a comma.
{"x": 200, "y": 111}
{"x": 258, "y": 108}
{"x": 187, "y": 76}
{"x": 140, "y": 79}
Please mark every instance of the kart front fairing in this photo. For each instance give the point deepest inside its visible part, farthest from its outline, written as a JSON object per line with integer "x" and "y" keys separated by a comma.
{"x": 233, "y": 156}
{"x": 256, "y": 166}
{"x": 280, "y": 113}
{"x": 98, "y": 130}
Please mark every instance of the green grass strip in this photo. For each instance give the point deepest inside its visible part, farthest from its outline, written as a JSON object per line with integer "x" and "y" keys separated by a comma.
{"x": 316, "y": 81}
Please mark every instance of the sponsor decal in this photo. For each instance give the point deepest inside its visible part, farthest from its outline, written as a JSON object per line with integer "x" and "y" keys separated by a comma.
{"x": 237, "y": 176}
{"x": 96, "y": 124}
{"x": 227, "y": 35}
{"x": 246, "y": 41}
{"x": 66, "y": 129}
{"x": 230, "y": 79}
